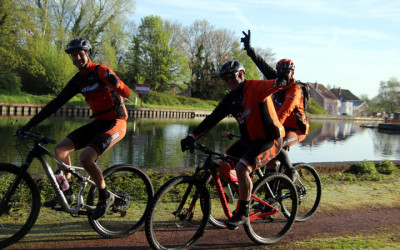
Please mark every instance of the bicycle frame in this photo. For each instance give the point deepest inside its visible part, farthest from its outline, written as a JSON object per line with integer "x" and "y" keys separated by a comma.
{"x": 209, "y": 168}
{"x": 39, "y": 152}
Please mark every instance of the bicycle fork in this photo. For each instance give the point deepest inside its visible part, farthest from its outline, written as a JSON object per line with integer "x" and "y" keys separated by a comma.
{"x": 186, "y": 215}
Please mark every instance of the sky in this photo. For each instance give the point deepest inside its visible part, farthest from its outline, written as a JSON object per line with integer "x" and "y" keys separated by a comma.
{"x": 353, "y": 44}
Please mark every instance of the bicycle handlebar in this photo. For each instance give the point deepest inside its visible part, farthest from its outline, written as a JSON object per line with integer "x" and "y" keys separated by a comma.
{"x": 39, "y": 138}
{"x": 231, "y": 135}
{"x": 208, "y": 151}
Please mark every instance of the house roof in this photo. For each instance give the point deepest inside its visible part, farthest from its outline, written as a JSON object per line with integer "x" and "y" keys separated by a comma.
{"x": 344, "y": 95}
{"x": 320, "y": 88}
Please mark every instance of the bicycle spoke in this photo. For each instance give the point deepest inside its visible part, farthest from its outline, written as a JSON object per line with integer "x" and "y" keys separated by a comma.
{"x": 176, "y": 223}
{"x": 272, "y": 224}
{"x": 309, "y": 191}
{"x": 21, "y": 211}
{"x": 133, "y": 192}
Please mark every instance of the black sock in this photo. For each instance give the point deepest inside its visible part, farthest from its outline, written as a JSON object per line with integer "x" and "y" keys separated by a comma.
{"x": 244, "y": 207}
{"x": 103, "y": 194}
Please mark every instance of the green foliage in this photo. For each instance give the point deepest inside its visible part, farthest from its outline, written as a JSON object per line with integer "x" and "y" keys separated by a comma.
{"x": 387, "y": 167}
{"x": 10, "y": 83}
{"x": 176, "y": 101}
{"x": 315, "y": 108}
{"x": 154, "y": 59}
{"x": 365, "y": 167}
{"x": 388, "y": 98}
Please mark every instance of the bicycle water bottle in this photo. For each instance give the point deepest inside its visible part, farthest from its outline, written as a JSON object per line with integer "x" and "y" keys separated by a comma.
{"x": 62, "y": 181}
{"x": 225, "y": 172}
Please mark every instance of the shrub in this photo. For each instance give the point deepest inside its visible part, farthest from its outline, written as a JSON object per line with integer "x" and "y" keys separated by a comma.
{"x": 365, "y": 167}
{"x": 387, "y": 167}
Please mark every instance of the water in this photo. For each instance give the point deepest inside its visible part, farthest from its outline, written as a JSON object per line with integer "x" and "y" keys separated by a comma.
{"x": 156, "y": 143}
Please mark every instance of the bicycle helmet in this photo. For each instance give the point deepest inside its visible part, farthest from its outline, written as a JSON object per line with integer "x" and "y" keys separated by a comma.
{"x": 79, "y": 44}
{"x": 285, "y": 64}
{"x": 231, "y": 66}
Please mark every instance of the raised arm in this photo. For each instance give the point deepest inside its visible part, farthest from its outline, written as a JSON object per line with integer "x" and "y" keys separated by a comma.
{"x": 268, "y": 72}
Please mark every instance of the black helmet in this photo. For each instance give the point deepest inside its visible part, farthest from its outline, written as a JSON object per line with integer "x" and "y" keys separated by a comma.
{"x": 79, "y": 44}
{"x": 231, "y": 66}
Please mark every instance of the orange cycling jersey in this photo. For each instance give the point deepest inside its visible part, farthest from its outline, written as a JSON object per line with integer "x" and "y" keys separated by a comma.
{"x": 290, "y": 108}
{"x": 102, "y": 89}
{"x": 253, "y": 109}
{"x": 291, "y": 111}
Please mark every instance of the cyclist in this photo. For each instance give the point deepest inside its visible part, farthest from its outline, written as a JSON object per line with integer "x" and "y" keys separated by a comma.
{"x": 104, "y": 92}
{"x": 288, "y": 102}
{"x": 250, "y": 103}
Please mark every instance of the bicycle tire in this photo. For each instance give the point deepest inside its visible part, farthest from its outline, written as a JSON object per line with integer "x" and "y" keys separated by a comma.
{"x": 126, "y": 215}
{"x": 167, "y": 228}
{"x": 22, "y": 211}
{"x": 271, "y": 229}
{"x": 309, "y": 190}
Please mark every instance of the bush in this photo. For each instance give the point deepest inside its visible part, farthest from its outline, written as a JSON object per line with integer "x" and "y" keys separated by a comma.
{"x": 387, "y": 167}
{"x": 10, "y": 83}
{"x": 315, "y": 108}
{"x": 365, "y": 167}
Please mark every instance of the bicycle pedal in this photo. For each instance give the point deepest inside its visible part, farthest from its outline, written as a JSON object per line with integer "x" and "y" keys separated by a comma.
{"x": 230, "y": 227}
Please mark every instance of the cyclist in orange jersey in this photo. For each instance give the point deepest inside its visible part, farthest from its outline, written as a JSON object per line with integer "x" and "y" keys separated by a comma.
{"x": 105, "y": 93}
{"x": 289, "y": 102}
{"x": 250, "y": 103}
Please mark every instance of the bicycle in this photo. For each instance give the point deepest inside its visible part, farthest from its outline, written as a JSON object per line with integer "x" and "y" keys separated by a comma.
{"x": 181, "y": 208}
{"x": 20, "y": 196}
{"x": 308, "y": 187}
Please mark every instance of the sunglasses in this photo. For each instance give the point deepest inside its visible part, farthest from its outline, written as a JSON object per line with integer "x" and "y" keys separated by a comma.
{"x": 229, "y": 76}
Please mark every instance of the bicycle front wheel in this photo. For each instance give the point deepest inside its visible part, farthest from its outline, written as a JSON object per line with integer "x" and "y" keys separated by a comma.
{"x": 309, "y": 190}
{"x": 20, "y": 213}
{"x": 179, "y": 214}
{"x": 278, "y": 191}
{"x": 133, "y": 193}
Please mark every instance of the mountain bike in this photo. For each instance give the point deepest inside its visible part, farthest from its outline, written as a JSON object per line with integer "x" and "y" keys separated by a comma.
{"x": 308, "y": 186}
{"x": 20, "y": 196}
{"x": 181, "y": 208}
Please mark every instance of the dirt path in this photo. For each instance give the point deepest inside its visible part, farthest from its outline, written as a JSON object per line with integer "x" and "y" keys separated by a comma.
{"x": 334, "y": 224}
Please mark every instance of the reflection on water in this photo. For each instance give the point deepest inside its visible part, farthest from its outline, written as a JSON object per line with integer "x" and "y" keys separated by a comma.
{"x": 156, "y": 143}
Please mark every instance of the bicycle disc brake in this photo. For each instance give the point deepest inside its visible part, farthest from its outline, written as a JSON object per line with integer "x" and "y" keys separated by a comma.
{"x": 121, "y": 203}
{"x": 184, "y": 215}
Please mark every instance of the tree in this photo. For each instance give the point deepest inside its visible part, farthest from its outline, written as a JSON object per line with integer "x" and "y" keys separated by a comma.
{"x": 388, "y": 98}
{"x": 152, "y": 57}
{"x": 37, "y": 33}
{"x": 14, "y": 20}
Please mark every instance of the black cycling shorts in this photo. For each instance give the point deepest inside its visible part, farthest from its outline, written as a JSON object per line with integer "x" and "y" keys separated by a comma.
{"x": 255, "y": 154}
{"x": 100, "y": 135}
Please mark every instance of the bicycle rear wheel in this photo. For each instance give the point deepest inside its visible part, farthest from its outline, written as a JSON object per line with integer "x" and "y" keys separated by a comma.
{"x": 133, "y": 190}
{"x": 309, "y": 190}
{"x": 279, "y": 191}
{"x": 174, "y": 222}
{"x": 20, "y": 213}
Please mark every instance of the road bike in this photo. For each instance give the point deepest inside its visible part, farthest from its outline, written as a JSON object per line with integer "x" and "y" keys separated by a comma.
{"x": 308, "y": 187}
{"x": 181, "y": 208}
{"x": 20, "y": 198}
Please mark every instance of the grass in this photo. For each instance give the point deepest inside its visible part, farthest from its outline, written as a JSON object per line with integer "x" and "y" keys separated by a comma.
{"x": 339, "y": 192}
{"x": 387, "y": 239}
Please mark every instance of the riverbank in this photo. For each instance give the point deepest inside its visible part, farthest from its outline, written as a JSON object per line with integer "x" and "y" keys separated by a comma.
{"x": 27, "y": 110}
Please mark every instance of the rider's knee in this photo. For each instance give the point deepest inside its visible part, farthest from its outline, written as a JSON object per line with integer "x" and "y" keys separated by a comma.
{"x": 88, "y": 157}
